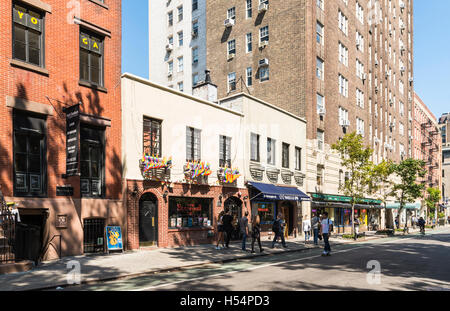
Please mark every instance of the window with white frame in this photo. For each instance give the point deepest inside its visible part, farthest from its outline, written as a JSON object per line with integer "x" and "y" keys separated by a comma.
{"x": 320, "y": 140}
{"x": 249, "y": 73}
{"x": 360, "y": 127}
{"x": 359, "y": 98}
{"x": 319, "y": 33}
{"x": 343, "y": 54}
{"x": 248, "y": 9}
{"x": 180, "y": 64}
{"x": 319, "y": 4}
{"x": 181, "y": 86}
{"x": 231, "y": 47}
{"x": 180, "y": 38}
{"x": 264, "y": 73}
{"x": 343, "y": 23}
{"x": 343, "y": 116}
{"x": 359, "y": 13}
{"x": 343, "y": 86}
{"x": 359, "y": 41}
{"x": 248, "y": 39}
{"x": 359, "y": 69}
{"x": 401, "y": 128}
{"x": 264, "y": 34}
{"x": 320, "y": 102}
{"x": 231, "y": 13}
{"x": 319, "y": 69}
{"x": 231, "y": 81}
{"x": 170, "y": 67}
{"x": 195, "y": 55}
{"x": 180, "y": 13}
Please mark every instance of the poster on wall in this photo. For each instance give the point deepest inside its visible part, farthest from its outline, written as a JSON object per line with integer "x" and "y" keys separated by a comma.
{"x": 72, "y": 139}
{"x": 114, "y": 238}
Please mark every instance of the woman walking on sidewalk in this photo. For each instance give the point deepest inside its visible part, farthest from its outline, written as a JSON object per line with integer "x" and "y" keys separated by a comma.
{"x": 256, "y": 233}
{"x": 220, "y": 231}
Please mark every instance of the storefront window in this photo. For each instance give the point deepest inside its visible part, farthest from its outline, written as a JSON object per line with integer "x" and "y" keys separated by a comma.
{"x": 266, "y": 212}
{"x": 190, "y": 212}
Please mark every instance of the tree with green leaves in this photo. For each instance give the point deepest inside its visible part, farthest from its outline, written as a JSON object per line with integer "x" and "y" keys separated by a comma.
{"x": 408, "y": 189}
{"x": 355, "y": 158}
{"x": 434, "y": 197}
{"x": 381, "y": 184}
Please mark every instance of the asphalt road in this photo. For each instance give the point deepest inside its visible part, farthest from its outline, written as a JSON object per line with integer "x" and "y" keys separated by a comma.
{"x": 413, "y": 262}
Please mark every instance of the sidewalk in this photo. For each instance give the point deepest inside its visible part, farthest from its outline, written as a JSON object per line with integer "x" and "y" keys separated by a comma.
{"x": 133, "y": 263}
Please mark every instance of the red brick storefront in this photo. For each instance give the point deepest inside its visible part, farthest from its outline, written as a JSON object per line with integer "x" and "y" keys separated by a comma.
{"x": 172, "y": 237}
{"x": 42, "y": 89}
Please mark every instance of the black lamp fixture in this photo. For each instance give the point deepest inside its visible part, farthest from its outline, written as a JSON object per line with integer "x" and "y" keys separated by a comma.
{"x": 165, "y": 194}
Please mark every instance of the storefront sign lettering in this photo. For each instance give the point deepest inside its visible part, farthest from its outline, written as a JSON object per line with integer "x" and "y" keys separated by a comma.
{"x": 72, "y": 139}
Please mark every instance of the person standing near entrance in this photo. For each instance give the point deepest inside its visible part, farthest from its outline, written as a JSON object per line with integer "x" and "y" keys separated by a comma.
{"x": 356, "y": 220}
{"x": 220, "y": 230}
{"x": 325, "y": 230}
{"x": 315, "y": 223}
{"x": 307, "y": 228}
{"x": 278, "y": 230}
{"x": 243, "y": 224}
{"x": 227, "y": 220}
{"x": 256, "y": 233}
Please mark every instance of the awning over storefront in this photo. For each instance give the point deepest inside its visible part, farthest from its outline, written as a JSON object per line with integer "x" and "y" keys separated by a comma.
{"x": 272, "y": 192}
{"x": 415, "y": 206}
{"x": 345, "y": 205}
{"x": 340, "y": 198}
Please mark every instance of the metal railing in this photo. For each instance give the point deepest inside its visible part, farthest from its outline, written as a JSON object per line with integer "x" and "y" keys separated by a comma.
{"x": 7, "y": 232}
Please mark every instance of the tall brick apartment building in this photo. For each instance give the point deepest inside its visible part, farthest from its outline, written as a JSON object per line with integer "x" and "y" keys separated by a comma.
{"x": 344, "y": 65}
{"x": 444, "y": 126}
{"x": 55, "y": 55}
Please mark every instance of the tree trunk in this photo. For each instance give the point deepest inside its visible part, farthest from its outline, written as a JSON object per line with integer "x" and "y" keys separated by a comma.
{"x": 353, "y": 217}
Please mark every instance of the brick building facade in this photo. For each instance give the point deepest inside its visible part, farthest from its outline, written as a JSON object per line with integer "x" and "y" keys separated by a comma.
{"x": 54, "y": 56}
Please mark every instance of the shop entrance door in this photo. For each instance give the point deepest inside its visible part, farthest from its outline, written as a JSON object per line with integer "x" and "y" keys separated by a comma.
{"x": 235, "y": 206}
{"x": 287, "y": 209}
{"x": 148, "y": 220}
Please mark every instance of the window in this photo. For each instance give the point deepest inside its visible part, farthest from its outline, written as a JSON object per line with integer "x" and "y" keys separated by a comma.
{"x": 231, "y": 13}
{"x": 29, "y": 155}
{"x": 320, "y": 102}
{"x": 359, "y": 69}
{"x": 343, "y": 23}
{"x": 320, "y": 140}
{"x": 319, "y": 33}
{"x": 152, "y": 137}
{"x": 190, "y": 212}
{"x": 360, "y": 127}
{"x": 254, "y": 147}
{"x": 231, "y": 47}
{"x": 343, "y": 54}
{"x": 170, "y": 39}
{"x": 195, "y": 55}
{"x": 170, "y": 67}
{"x": 180, "y": 13}
{"x": 319, "y": 4}
{"x": 359, "y": 42}
{"x": 180, "y": 38}
{"x": 298, "y": 158}
{"x": 343, "y": 86}
{"x": 285, "y": 155}
{"x": 181, "y": 86}
{"x": 270, "y": 151}
{"x": 194, "y": 5}
{"x": 224, "y": 151}
{"x": 248, "y": 38}
{"x": 359, "y": 13}
{"x": 264, "y": 73}
{"x": 28, "y": 41}
{"x": 231, "y": 81}
{"x": 264, "y": 34}
{"x": 359, "y": 98}
{"x": 249, "y": 76}
{"x": 193, "y": 144}
{"x": 180, "y": 64}
{"x": 194, "y": 79}
{"x": 170, "y": 18}
{"x": 91, "y": 58}
{"x": 92, "y": 161}
{"x": 248, "y": 9}
{"x": 195, "y": 29}
{"x": 319, "y": 69}
{"x": 319, "y": 175}
{"x": 343, "y": 115}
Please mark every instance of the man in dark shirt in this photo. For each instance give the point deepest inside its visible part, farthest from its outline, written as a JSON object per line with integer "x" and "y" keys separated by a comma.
{"x": 227, "y": 226}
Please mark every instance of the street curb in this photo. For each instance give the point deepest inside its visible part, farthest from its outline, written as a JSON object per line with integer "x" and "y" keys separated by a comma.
{"x": 209, "y": 262}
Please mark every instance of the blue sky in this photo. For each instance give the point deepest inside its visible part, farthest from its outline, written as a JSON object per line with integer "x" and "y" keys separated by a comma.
{"x": 431, "y": 48}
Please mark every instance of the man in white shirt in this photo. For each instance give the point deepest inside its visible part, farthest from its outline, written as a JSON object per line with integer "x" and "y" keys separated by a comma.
{"x": 325, "y": 231}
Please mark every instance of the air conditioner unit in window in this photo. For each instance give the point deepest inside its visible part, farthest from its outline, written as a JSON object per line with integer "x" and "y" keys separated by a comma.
{"x": 391, "y": 125}
{"x": 376, "y": 140}
{"x": 194, "y": 34}
{"x": 411, "y": 80}
{"x": 376, "y": 62}
{"x": 402, "y": 6}
{"x": 321, "y": 111}
{"x": 169, "y": 74}
{"x": 402, "y": 27}
{"x": 402, "y": 69}
{"x": 169, "y": 47}
{"x": 263, "y": 44}
{"x": 231, "y": 56}
{"x": 344, "y": 123}
{"x": 263, "y": 7}
{"x": 263, "y": 62}
{"x": 229, "y": 22}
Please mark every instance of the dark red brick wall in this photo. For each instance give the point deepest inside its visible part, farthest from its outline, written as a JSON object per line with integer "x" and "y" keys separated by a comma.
{"x": 174, "y": 237}
{"x": 62, "y": 89}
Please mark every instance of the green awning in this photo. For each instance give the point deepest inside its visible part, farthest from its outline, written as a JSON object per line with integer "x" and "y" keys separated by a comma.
{"x": 340, "y": 198}
{"x": 414, "y": 206}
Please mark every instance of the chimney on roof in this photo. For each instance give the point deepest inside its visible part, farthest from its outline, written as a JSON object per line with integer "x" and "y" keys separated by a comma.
{"x": 206, "y": 89}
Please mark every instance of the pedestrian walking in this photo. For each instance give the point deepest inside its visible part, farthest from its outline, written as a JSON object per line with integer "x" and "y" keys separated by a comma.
{"x": 357, "y": 223}
{"x": 278, "y": 230}
{"x": 220, "y": 230}
{"x": 227, "y": 220}
{"x": 256, "y": 233}
{"x": 326, "y": 228}
{"x": 397, "y": 224}
{"x": 307, "y": 228}
{"x": 315, "y": 222}
{"x": 448, "y": 219}
{"x": 243, "y": 225}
